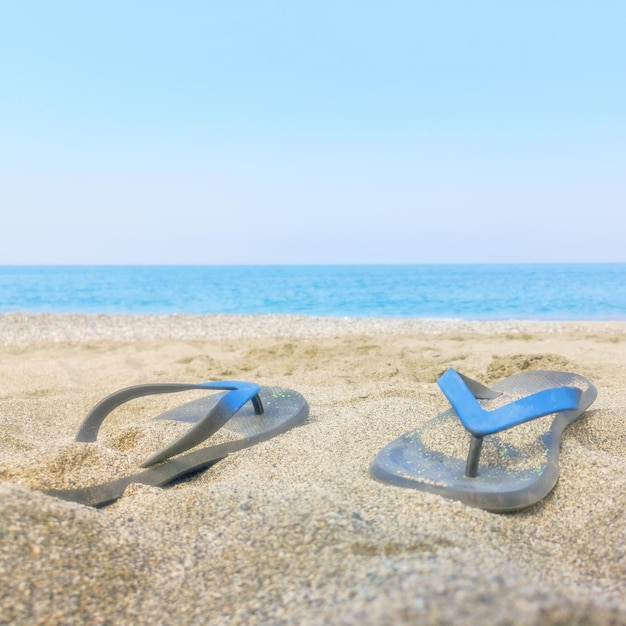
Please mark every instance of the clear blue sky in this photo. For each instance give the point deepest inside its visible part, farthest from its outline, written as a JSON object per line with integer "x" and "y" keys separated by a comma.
{"x": 312, "y": 132}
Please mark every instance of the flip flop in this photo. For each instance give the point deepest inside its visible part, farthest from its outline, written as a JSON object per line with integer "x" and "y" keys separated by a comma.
{"x": 256, "y": 413}
{"x": 514, "y": 468}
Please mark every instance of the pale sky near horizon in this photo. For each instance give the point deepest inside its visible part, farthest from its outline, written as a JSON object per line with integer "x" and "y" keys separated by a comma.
{"x": 312, "y": 132}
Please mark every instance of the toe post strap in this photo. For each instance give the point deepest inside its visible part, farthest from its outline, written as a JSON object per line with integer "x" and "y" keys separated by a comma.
{"x": 238, "y": 393}
{"x": 481, "y": 422}
{"x": 463, "y": 394}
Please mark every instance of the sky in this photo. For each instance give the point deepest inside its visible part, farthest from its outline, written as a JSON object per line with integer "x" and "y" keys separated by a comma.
{"x": 325, "y": 132}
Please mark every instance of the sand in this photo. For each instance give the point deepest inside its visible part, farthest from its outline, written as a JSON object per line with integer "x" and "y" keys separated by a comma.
{"x": 294, "y": 530}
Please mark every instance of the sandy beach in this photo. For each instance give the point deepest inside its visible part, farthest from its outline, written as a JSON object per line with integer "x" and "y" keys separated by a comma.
{"x": 295, "y": 530}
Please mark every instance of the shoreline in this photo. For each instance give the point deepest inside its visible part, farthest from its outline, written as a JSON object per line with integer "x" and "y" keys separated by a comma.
{"x": 25, "y": 328}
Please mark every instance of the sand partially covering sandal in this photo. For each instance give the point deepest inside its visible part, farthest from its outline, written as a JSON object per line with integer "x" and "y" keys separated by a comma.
{"x": 251, "y": 412}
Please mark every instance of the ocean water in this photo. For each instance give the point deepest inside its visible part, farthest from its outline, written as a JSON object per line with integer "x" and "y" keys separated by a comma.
{"x": 546, "y": 291}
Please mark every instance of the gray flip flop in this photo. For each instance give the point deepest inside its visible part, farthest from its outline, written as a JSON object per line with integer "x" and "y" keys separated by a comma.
{"x": 512, "y": 460}
{"x": 256, "y": 413}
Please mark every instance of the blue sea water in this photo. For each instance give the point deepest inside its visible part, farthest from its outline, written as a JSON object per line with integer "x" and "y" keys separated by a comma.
{"x": 546, "y": 291}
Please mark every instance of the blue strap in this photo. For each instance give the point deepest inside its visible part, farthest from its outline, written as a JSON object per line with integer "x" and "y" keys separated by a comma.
{"x": 238, "y": 394}
{"x": 480, "y": 422}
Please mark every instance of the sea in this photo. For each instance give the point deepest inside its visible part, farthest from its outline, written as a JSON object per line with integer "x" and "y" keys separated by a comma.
{"x": 477, "y": 292}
